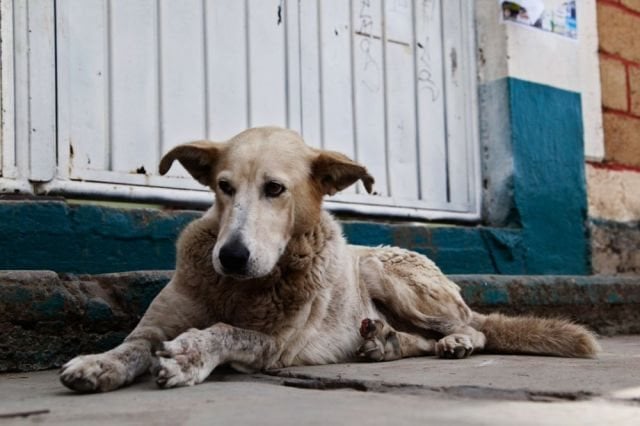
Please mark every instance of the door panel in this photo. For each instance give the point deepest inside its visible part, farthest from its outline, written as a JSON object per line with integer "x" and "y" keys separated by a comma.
{"x": 390, "y": 83}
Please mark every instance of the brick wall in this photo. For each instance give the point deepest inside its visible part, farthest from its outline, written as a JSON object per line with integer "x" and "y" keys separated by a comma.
{"x": 619, "y": 34}
{"x": 614, "y": 184}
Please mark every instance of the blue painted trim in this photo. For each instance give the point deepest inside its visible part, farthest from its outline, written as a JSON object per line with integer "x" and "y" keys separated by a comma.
{"x": 454, "y": 249}
{"x": 87, "y": 239}
{"x": 90, "y": 239}
{"x": 549, "y": 186}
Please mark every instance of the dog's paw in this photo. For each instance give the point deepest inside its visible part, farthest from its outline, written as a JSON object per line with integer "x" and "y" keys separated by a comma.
{"x": 372, "y": 350}
{"x": 381, "y": 342}
{"x": 454, "y": 346}
{"x": 371, "y": 328}
{"x": 94, "y": 373}
{"x": 183, "y": 361}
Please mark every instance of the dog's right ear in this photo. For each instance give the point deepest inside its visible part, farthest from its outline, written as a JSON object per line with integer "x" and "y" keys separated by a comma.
{"x": 198, "y": 158}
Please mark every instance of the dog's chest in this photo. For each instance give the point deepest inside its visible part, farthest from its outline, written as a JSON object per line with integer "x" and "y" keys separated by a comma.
{"x": 262, "y": 309}
{"x": 326, "y": 331}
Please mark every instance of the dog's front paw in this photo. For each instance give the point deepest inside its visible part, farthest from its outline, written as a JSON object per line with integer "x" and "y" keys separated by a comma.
{"x": 94, "y": 373}
{"x": 184, "y": 361}
{"x": 454, "y": 346}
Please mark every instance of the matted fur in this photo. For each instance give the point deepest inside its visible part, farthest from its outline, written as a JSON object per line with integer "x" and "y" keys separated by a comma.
{"x": 303, "y": 295}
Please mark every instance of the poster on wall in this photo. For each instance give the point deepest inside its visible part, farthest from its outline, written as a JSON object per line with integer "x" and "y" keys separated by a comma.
{"x": 556, "y": 16}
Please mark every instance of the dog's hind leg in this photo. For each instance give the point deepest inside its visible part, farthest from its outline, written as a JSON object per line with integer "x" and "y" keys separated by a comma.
{"x": 414, "y": 295}
{"x": 460, "y": 344}
{"x": 413, "y": 289}
{"x": 383, "y": 343}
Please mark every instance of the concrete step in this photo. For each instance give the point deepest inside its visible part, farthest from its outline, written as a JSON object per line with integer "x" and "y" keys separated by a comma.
{"x": 46, "y": 318}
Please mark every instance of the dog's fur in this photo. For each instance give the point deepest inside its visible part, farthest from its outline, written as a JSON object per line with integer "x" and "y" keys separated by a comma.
{"x": 292, "y": 291}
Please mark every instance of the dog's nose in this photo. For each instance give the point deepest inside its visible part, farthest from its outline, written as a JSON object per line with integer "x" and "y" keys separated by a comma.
{"x": 234, "y": 256}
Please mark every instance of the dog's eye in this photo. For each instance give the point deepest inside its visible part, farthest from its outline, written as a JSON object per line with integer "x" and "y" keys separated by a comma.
{"x": 225, "y": 187}
{"x": 273, "y": 189}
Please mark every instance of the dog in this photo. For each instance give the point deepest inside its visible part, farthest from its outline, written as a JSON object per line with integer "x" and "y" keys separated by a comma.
{"x": 265, "y": 279}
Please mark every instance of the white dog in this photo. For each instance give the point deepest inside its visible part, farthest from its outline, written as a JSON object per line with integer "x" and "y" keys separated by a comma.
{"x": 265, "y": 279}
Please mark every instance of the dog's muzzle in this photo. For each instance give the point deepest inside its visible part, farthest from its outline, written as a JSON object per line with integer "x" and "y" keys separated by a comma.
{"x": 234, "y": 257}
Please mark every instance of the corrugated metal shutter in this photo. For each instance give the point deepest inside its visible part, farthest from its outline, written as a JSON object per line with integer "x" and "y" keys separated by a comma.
{"x": 391, "y": 83}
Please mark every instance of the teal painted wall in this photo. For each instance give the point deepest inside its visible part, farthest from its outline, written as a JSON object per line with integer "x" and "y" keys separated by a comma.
{"x": 544, "y": 231}
{"x": 549, "y": 188}
{"x": 457, "y": 250}
{"x": 87, "y": 239}
{"x": 56, "y": 236}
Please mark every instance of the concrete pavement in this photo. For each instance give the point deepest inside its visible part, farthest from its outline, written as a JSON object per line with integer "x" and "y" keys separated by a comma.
{"x": 484, "y": 389}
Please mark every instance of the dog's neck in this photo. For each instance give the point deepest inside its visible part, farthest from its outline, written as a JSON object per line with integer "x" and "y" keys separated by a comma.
{"x": 306, "y": 248}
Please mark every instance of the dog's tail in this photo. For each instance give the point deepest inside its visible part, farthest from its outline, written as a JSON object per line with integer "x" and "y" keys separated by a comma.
{"x": 539, "y": 336}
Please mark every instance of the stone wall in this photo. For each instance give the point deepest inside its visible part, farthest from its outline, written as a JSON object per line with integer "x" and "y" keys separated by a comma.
{"x": 614, "y": 183}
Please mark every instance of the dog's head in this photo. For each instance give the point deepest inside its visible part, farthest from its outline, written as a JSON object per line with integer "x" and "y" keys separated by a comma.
{"x": 269, "y": 187}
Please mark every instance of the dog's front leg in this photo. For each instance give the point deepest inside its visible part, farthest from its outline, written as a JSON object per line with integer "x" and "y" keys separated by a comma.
{"x": 107, "y": 371}
{"x": 191, "y": 357}
{"x": 170, "y": 313}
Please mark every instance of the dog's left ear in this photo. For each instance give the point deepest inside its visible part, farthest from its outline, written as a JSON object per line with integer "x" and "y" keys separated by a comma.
{"x": 335, "y": 172}
{"x": 199, "y": 158}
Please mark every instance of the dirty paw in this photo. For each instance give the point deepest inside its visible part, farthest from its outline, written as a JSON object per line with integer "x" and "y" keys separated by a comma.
{"x": 370, "y": 328}
{"x": 454, "y": 346}
{"x": 94, "y": 373}
{"x": 380, "y": 344}
{"x": 183, "y": 361}
{"x": 372, "y": 349}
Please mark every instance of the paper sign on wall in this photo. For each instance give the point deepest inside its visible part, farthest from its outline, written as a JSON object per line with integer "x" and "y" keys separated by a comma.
{"x": 556, "y": 16}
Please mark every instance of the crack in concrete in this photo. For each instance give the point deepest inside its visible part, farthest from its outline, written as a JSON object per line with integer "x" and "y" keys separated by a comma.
{"x": 469, "y": 392}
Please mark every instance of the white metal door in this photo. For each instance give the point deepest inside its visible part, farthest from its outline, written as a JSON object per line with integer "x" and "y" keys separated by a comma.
{"x": 391, "y": 83}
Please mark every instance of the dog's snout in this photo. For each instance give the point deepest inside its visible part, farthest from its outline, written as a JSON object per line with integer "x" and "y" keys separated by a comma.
{"x": 234, "y": 257}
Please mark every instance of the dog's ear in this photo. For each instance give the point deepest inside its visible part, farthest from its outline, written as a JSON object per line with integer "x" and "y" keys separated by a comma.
{"x": 198, "y": 158}
{"x": 335, "y": 172}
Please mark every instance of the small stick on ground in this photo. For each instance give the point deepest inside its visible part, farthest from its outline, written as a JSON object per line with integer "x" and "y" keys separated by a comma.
{"x": 23, "y": 413}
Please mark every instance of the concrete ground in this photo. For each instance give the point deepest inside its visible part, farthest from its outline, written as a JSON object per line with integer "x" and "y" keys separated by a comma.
{"x": 484, "y": 389}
